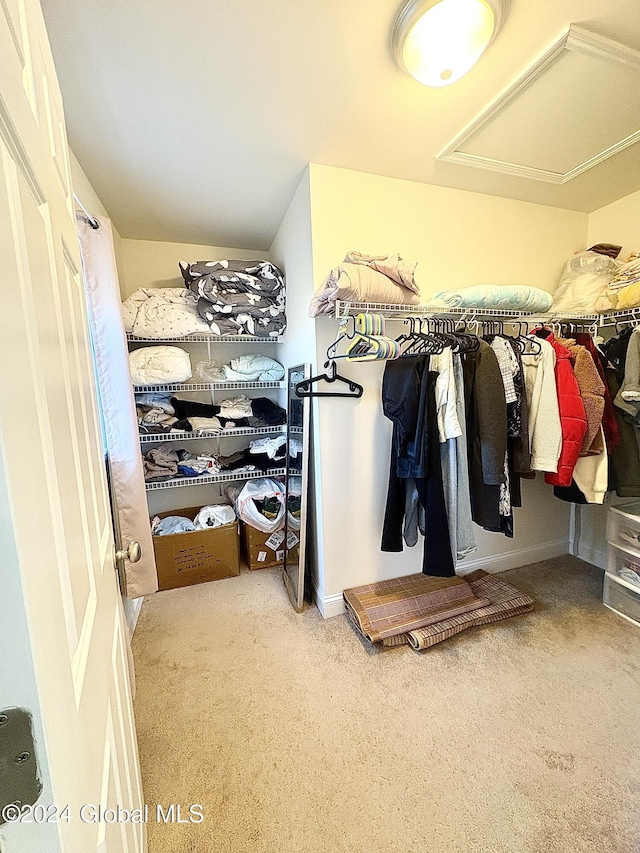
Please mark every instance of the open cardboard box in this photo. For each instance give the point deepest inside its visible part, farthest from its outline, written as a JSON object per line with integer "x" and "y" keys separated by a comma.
{"x": 183, "y": 559}
{"x": 264, "y": 550}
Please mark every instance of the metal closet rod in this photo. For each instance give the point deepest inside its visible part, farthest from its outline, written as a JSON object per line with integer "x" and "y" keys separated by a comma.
{"x": 93, "y": 222}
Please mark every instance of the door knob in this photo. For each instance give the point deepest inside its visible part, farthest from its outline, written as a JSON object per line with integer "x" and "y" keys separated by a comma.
{"x": 132, "y": 552}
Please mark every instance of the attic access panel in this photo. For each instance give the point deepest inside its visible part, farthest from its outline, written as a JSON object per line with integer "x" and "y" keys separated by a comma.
{"x": 576, "y": 105}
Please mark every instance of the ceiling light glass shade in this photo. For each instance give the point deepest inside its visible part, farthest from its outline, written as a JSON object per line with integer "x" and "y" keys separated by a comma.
{"x": 438, "y": 41}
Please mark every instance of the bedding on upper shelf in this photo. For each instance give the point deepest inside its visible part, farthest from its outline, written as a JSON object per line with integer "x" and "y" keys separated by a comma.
{"x": 159, "y": 365}
{"x": 623, "y": 291}
{"x": 505, "y": 297}
{"x": 238, "y": 297}
{"x": 162, "y": 312}
{"x": 584, "y": 282}
{"x": 387, "y": 279}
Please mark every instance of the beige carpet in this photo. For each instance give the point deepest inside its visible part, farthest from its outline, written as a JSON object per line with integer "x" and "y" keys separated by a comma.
{"x": 521, "y": 737}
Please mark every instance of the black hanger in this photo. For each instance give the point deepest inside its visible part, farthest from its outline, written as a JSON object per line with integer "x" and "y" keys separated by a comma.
{"x": 303, "y": 389}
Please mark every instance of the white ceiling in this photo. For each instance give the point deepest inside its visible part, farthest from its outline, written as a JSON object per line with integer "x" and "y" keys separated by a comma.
{"x": 194, "y": 120}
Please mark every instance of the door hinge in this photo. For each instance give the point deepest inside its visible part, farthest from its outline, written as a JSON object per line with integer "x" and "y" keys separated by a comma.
{"x": 20, "y": 784}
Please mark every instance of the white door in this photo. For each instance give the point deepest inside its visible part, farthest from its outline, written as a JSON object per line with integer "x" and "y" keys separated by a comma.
{"x": 63, "y": 653}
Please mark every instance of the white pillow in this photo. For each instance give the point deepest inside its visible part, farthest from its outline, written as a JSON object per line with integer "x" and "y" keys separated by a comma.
{"x": 159, "y": 365}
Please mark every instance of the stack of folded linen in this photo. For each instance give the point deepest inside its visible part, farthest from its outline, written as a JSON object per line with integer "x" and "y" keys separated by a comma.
{"x": 385, "y": 279}
{"x": 238, "y": 297}
{"x": 422, "y": 611}
{"x": 238, "y": 411}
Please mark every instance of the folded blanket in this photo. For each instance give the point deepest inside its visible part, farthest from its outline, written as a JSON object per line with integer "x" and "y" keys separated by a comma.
{"x": 253, "y": 368}
{"x": 393, "y": 266}
{"x": 238, "y": 297}
{"x": 508, "y": 297}
{"x": 400, "y": 605}
{"x": 357, "y": 282}
{"x": 200, "y": 425}
{"x": 160, "y": 365}
{"x": 263, "y": 412}
{"x": 162, "y": 312}
{"x": 246, "y": 368}
{"x": 161, "y": 461}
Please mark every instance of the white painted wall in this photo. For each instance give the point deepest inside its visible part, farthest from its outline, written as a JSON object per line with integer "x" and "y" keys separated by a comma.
{"x": 89, "y": 198}
{"x": 292, "y": 251}
{"x": 617, "y": 223}
{"x": 459, "y": 238}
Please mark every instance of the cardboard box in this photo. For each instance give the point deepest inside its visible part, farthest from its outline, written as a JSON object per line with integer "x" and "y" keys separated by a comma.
{"x": 183, "y": 559}
{"x": 265, "y": 550}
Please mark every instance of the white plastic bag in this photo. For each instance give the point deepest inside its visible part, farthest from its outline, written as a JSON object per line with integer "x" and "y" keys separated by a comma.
{"x": 209, "y": 371}
{"x": 584, "y": 282}
{"x": 247, "y": 510}
{"x": 295, "y": 490}
{"x": 215, "y": 515}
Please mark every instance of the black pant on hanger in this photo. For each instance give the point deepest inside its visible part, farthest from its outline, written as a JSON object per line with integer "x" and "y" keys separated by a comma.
{"x": 420, "y": 453}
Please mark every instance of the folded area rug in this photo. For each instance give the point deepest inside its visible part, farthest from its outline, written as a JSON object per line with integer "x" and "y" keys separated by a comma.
{"x": 505, "y": 601}
{"x": 395, "y": 607}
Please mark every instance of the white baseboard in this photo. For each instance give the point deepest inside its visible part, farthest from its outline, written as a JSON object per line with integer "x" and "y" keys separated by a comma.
{"x": 329, "y": 605}
{"x": 333, "y": 605}
{"x": 595, "y": 556}
{"x": 513, "y": 559}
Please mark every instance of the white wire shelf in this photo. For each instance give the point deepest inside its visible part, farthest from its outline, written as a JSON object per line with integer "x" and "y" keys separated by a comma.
{"x": 613, "y": 317}
{"x": 205, "y": 479}
{"x": 206, "y": 386}
{"x": 345, "y": 309}
{"x": 210, "y": 339}
{"x": 160, "y": 438}
{"x": 296, "y": 430}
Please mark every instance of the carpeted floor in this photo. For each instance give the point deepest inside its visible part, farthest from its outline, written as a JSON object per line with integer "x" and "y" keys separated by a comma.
{"x": 296, "y": 737}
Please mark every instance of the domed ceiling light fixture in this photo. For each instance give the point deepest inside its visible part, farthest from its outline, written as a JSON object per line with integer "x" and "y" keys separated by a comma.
{"x": 438, "y": 41}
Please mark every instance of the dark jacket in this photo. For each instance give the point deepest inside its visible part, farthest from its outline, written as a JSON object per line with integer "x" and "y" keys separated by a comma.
{"x": 624, "y": 460}
{"x": 486, "y": 420}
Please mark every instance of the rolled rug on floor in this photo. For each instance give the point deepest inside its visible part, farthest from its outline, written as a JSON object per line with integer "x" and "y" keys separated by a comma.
{"x": 505, "y": 601}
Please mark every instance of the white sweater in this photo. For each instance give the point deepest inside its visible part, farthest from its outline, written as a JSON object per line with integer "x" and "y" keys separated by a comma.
{"x": 591, "y": 475}
{"x": 545, "y": 431}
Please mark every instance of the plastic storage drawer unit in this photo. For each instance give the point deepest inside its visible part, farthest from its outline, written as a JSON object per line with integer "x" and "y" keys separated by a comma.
{"x": 621, "y": 599}
{"x": 625, "y": 566}
{"x": 623, "y": 527}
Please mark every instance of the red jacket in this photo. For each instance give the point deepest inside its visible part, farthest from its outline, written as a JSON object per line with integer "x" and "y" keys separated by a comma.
{"x": 573, "y": 420}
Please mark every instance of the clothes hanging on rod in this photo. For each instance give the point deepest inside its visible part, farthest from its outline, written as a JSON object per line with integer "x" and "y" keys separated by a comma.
{"x": 524, "y": 410}
{"x": 409, "y": 401}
